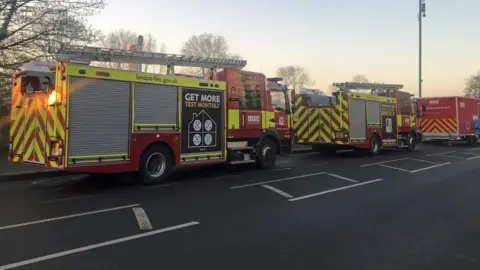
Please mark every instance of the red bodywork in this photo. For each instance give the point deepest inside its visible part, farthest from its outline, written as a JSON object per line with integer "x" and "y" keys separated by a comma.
{"x": 248, "y": 104}
{"x": 452, "y": 115}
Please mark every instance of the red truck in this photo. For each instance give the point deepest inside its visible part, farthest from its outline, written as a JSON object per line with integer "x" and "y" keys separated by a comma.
{"x": 450, "y": 119}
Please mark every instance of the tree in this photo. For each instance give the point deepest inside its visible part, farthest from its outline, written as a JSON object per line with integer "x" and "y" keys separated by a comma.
{"x": 31, "y": 29}
{"x": 123, "y": 39}
{"x": 472, "y": 86}
{"x": 360, "y": 78}
{"x": 295, "y": 77}
{"x": 206, "y": 45}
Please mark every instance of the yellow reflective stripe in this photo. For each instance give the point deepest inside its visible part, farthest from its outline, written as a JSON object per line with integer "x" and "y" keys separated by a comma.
{"x": 201, "y": 155}
{"x": 233, "y": 119}
{"x": 99, "y": 156}
{"x": 313, "y": 125}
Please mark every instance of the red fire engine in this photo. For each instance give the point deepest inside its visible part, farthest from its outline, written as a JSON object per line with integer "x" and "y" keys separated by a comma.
{"x": 450, "y": 119}
{"x": 82, "y": 118}
{"x": 384, "y": 118}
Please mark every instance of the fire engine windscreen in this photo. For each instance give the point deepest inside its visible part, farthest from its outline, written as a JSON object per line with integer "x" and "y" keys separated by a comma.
{"x": 277, "y": 99}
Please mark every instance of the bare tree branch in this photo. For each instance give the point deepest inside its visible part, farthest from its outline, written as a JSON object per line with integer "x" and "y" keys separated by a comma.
{"x": 360, "y": 78}
{"x": 29, "y": 28}
{"x": 295, "y": 77}
{"x": 206, "y": 45}
{"x": 472, "y": 86}
{"x": 124, "y": 39}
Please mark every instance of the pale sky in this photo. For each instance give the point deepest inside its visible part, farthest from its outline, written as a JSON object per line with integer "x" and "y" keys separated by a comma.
{"x": 333, "y": 39}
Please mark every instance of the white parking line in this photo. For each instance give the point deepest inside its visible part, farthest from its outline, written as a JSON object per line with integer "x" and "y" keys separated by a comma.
{"x": 468, "y": 153}
{"x": 450, "y": 156}
{"x": 470, "y": 158}
{"x": 422, "y": 160}
{"x": 439, "y": 154}
{"x": 278, "y": 180}
{"x": 343, "y": 178}
{"x": 66, "y": 217}
{"x": 95, "y": 246}
{"x": 392, "y": 167}
{"x": 66, "y": 199}
{"x": 382, "y": 162}
{"x": 332, "y": 190}
{"x": 276, "y": 190}
{"x": 142, "y": 218}
{"x": 473, "y": 149}
{"x": 430, "y": 167}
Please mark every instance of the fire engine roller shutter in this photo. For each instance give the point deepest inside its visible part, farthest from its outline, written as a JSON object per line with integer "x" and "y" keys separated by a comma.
{"x": 99, "y": 118}
{"x": 156, "y": 105}
{"x": 358, "y": 123}
{"x": 373, "y": 112}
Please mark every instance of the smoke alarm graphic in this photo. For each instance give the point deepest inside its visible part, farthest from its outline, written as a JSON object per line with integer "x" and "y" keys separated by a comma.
{"x": 202, "y": 131}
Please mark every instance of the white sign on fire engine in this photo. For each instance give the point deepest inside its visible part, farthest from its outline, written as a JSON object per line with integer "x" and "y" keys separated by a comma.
{"x": 462, "y": 105}
{"x": 281, "y": 121}
{"x": 253, "y": 119}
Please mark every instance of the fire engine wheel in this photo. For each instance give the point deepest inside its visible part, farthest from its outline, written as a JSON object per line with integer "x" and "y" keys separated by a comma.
{"x": 412, "y": 143}
{"x": 155, "y": 165}
{"x": 374, "y": 145}
{"x": 472, "y": 140}
{"x": 268, "y": 153}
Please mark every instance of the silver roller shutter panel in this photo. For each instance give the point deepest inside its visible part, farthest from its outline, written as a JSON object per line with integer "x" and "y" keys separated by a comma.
{"x": 99, "y": 117}
{"x": 358, "y": 123}
{"x": 155, "y": 104}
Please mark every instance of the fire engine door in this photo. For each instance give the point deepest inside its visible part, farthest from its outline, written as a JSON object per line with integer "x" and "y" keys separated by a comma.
{"x": 35, "y": 107}
{"x": 278, "y": 105}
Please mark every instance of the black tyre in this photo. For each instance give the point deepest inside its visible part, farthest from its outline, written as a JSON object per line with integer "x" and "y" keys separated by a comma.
{"x": 374, "y": 145}
{"x": 472, "y": 140}
{"x": 412, "y": 144}
{"x": 155, "y": 165}
{"x": 268, "y": 153}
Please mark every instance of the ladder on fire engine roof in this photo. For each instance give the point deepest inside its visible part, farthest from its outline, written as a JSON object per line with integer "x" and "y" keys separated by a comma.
{"x": 86, "y": 54}
{"x": 360, "y": 86}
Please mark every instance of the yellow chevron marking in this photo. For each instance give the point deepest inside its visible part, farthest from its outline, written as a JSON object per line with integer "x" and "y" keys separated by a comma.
{"x": 314, "y": 122}
{"x": 298, "y": 101}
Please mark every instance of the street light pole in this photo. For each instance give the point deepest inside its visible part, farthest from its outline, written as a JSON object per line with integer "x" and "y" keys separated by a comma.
{"x": 421, "y": 13}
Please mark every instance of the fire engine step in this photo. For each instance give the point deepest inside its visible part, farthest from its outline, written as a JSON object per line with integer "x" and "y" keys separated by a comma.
{"x": 242, "y": 162}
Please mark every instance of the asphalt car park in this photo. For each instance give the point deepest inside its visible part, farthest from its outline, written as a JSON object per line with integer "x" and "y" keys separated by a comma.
{"x": 308, "y": 212}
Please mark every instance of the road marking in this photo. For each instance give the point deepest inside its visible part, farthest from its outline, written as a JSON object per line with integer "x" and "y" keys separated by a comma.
{"x": 333, "y": 190}
{"x": 382, "y": 162}
{"x": 142, "y": 218}
{"x": 430, "y": 167}
{"x": 422, "y": 160}
{"x": 470, "y": 158}
{"x": 468, "y": 153}
{"x": 95, "y": 246}
{"x": 392, "y": 167}
{"x": 66, "y": 217}
{"x": 278, "y": 180}
{"x": 439, "y": 154}
{"x": 473, "y": 149}
{"x": 451, "y": 156}
{"x": 342, "y": 177}
{"x": 66, "y": 199}
{"x": 281, "y": 192}
{"x": 281, "y": 169}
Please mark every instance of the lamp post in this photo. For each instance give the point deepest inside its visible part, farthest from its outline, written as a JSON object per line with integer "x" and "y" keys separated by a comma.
{"x": 421, "y": 14}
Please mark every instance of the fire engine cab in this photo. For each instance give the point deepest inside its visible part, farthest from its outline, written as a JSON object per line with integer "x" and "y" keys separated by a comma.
{"x": 77, "y": 117}
{"x": 383, "y": 118}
